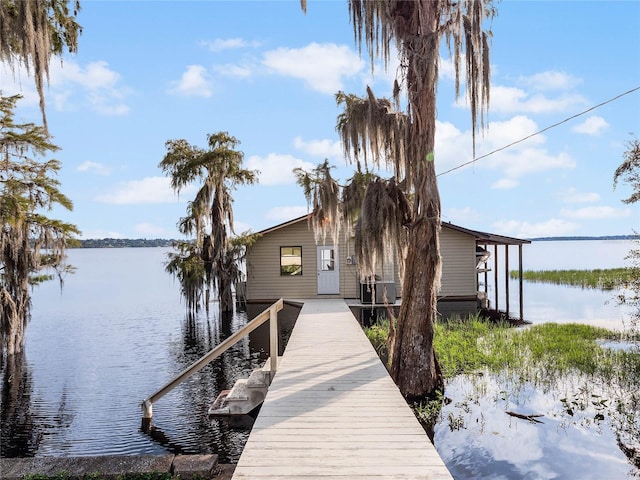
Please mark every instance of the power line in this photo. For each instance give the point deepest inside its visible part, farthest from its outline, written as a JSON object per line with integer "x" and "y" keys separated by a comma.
{"x": 538, "y": 132}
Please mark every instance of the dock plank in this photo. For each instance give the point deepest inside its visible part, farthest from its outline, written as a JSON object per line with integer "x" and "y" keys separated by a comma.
{"x": 333, "y": 412}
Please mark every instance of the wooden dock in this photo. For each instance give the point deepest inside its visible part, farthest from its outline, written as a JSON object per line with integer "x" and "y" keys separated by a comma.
{"x": 332, "y": 410}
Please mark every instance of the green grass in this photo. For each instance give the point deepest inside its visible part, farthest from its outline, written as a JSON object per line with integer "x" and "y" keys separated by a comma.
{"x": 542, "y": 356}
{"x": 538, "y": 353}
{"x": 603, "y": 279}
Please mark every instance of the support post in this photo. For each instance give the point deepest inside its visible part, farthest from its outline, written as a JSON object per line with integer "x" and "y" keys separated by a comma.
{"x": 147, "y": 415}
{"x": 486, "y": 275}
{"x": 273, "y": 340}
{"x": 495, "y": 273}
{"x": 506, "y": 277}
{"x": 520, "y": 295}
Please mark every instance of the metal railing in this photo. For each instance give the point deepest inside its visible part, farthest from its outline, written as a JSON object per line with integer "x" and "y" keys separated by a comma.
{"x": 270, "y": 314}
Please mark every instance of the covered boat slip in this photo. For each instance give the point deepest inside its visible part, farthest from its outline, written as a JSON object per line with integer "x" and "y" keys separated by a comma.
{"x": 332, "y": 410}
{"x": 497, "y": 240}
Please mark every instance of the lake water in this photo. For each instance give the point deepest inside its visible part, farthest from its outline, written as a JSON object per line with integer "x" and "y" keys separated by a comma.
{"x": 544, "y": 302}
{"x": 114, "y": 335}
{"x": 477, "y": 439}
{"x": 118, "y": 331}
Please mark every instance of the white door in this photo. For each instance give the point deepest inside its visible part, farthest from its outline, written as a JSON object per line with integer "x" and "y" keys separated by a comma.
{"x": 328, "y": 270}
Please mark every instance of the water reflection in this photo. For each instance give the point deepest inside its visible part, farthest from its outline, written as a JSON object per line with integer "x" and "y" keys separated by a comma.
{"x": 544, "y": 302}
{"x": 116, "y": 334}
{"x": 16, "y": 417}
{"x": 183, "y": 425}
{"x": 478, "y": 439}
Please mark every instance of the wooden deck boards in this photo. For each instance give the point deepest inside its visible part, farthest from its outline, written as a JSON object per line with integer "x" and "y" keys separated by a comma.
{"x": 333, "y": 412}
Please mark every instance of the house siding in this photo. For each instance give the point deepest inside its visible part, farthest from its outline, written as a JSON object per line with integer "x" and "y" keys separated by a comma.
{"x": 264, "y": 281}
{"x": 263, "y": 266}
{"x": 458, "y": 253}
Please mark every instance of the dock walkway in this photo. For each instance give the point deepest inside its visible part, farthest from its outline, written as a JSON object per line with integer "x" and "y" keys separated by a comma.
{"x": 334, "y": 412}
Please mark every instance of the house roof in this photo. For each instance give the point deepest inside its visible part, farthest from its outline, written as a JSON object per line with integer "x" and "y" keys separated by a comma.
{"x": 480, "y": 237}
{"x": 487, "y": 238}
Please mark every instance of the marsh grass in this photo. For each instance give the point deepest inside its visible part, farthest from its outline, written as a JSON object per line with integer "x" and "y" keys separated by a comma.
{"x": 541, "y": 356}
{"x": 603, "y": 279}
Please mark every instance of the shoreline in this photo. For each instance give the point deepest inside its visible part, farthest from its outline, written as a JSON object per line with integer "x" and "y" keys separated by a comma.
{"x": 204, "y": 467}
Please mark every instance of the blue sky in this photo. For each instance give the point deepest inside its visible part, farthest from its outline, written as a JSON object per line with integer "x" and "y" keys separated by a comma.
{"x": 150, "y": 71}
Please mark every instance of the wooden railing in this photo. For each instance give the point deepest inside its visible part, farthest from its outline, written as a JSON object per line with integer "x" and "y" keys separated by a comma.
{"x": 270, "y": 314}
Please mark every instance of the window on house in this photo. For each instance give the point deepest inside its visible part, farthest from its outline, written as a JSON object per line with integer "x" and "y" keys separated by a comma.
{"x": 290, "y": 260}
{"x": 327, "y": 262}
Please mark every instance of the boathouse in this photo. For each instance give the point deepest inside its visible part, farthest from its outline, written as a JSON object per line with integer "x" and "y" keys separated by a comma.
{"x": 286, "y": 262}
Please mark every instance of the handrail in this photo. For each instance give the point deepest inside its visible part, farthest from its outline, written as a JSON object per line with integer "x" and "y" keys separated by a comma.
{"x": 270, "y": 313}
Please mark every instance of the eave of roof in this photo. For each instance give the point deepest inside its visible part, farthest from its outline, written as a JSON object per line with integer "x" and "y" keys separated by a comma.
{"x": 481, "y": 237}
{"x": 486, "y": 237}
{"x": 285, "y": 224}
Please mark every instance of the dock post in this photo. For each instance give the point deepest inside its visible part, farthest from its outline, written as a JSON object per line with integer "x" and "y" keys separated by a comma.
{"x": 147, "y": 415}
{"x": 506, "y": 277}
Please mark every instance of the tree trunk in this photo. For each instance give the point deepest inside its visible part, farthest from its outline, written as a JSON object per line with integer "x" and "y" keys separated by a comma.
{"x": 224, "y": 280}
{"x": 414, "y": 366}
{"x": 15, "y": 324}
{"x": 226, "y": 296}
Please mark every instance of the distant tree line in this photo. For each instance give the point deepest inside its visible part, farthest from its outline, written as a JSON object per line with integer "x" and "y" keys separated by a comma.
{"x": 603, "y": 237}
{"x": 124, "y": 242}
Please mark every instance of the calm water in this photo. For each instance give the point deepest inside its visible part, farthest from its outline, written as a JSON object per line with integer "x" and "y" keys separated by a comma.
{"x": 477, "y": 439}
{"x": 552, "y": 303}
{"x": 115, "y": 334}
{"x": 118, "y": 331}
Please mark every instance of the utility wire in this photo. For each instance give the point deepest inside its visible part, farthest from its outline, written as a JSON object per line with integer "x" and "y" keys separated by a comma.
{"x": 538, "y": 132}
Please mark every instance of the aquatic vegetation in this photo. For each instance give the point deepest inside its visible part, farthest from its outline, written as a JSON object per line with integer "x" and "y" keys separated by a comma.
{"x": 603, "y": 279}
{"x": 556, "y": 374}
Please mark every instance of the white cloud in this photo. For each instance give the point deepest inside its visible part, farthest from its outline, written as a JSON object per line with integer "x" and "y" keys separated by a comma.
{"x": 282, "y": 214}
{"x": 72, "y": 86}
{"x": 509, "y": 100}
{"x": 593, "y": 125}
{"x": 94, "y": 167}
{"x": 551, "y": 228}
{"x": 595, "y": 213}
{"x": 18, "y": 82}
{"x": 149, "y": 230}
{"x": 321, "y": 66}
{"x": 550, "y": 80}
{"x": 220, "y": 44}
{"x": 146, "y": 191}
{"x": 381, "y": 79}
{"x": 320, "y": 148}
{"x": 194, "y": 82}
{"x": 572, "y": 195}
{"x": 500, "y": 134}
{"x": 241, "y": 227}
{"x": 95, "y": 76}
{"x": 235, "y": 71}
{"x": 446, "y": 69}
{"x": 277, "y": 169}
{"x": 102, "y": 86}
{"x": 462, "y": 215}
{"x": 523, "y": 158}
{"x": 452, "y": 147}
{"x": 516, "y": 164}
{"x": 505, "y": 184}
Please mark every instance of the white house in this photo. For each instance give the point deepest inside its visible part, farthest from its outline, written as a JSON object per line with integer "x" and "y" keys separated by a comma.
{"x": 286, "y": 262}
